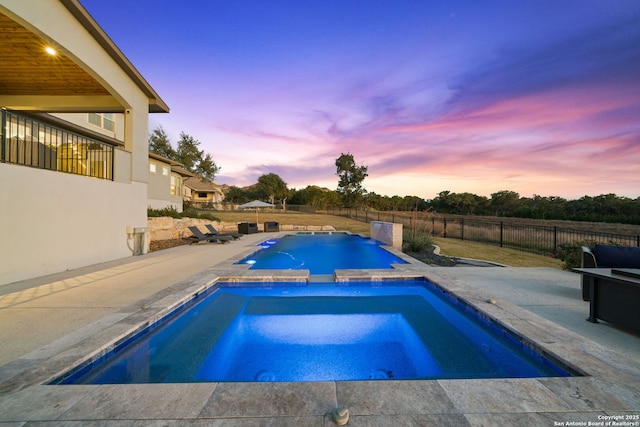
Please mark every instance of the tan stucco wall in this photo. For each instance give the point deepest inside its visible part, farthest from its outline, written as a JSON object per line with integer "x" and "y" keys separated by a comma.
{"x": 55, "y": 221}
{"x": 82, "y": 119}
{"x": 159, "y": 184}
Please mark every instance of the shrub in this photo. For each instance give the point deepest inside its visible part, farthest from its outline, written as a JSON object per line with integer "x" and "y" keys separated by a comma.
{"x": 571, "y": 253}
{"x": 168, "y": 211}
{"x": 189, "y": 212}
{"x": 417, "y": 242}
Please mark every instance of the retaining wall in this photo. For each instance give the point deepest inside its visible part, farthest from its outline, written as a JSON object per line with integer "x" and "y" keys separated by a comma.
{"x": 167, "y": 228}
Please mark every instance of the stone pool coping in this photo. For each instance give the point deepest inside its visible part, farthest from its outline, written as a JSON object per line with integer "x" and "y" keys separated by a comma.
{"x": 611, "y": 389}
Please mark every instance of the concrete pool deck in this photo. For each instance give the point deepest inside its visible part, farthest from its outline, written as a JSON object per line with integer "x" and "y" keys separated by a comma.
{"x": 49, "y": 324}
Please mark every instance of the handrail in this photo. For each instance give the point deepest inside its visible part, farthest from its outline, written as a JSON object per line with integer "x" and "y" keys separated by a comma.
{"x": 27, "y": 141}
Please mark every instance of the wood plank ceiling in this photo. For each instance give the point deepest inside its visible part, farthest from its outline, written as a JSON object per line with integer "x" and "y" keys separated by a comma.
{"x": 26, "y": 69}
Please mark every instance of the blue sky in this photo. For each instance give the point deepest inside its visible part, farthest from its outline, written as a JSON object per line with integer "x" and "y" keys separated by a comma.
{"x": 535, "y": 96}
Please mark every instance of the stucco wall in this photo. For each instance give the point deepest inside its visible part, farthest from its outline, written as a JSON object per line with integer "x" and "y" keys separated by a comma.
{"x": 52, "y": 221}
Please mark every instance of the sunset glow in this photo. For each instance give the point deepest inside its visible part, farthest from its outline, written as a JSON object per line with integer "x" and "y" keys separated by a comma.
{"x": 538, "y": 97}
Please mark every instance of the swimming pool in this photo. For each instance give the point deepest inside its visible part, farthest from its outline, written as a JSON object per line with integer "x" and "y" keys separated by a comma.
{"x": 320, "y": 253}
{"x": 322, "y": 332}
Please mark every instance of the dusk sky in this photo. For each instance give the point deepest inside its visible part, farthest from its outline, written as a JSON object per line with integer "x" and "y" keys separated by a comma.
{"x": 534, "y": 96}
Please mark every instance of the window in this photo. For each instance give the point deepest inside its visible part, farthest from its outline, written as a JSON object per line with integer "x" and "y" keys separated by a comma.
{"x": 152, "y": 167}
{"x": 103, "y": 120}
{"x": 175, "y": 185}
{"x": 202, "y": 195}
{"x": 165, "y": 171}
{"x": 30, "y": 142}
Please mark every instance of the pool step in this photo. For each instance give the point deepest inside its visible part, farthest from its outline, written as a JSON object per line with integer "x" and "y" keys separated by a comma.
{"x": 316, "y": 278}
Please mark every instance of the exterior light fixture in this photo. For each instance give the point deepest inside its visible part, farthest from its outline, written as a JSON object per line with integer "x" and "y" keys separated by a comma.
{"x": 51, "y": 51}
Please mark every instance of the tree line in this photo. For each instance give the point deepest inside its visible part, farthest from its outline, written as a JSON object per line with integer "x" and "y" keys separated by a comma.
{"x": 351, "y": 193}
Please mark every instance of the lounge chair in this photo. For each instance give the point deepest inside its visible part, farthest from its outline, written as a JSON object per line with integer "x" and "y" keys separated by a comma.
{"x": 198, "y": 236}
{"x": 214, "y": 232}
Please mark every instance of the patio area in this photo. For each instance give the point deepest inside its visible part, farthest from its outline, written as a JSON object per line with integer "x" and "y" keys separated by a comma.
{"x": 51, "y": 323}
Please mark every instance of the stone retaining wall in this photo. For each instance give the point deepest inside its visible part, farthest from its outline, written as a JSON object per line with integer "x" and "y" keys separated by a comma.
{"x": 167, "y": 228}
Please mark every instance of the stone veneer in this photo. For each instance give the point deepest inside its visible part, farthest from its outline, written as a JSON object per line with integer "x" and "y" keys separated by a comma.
{"x": 166, "y": 228}
{"x": 387, "y": 233}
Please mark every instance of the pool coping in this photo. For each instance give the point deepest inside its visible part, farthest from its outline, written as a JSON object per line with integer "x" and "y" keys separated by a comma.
{"x": 606, "y": 391}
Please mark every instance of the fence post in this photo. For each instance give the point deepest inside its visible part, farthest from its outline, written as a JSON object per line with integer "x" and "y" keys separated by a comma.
{"x": 501, "y": 231}
{"x": 433, "y": 226}
{"x": 461, "y": 228}
{"x": 444, "y": 231}
{"x": 555, "y": 238}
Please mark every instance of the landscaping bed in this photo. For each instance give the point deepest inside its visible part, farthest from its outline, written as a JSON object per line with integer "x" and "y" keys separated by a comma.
{"x": 158, "y": 245}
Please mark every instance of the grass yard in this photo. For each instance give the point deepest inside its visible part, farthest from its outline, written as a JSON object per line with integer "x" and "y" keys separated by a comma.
{"x": 510, "y": 257}
{"x": 449, "y": 247}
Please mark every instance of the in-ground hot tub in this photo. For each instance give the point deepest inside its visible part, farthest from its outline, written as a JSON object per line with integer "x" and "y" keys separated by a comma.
{"x": 323, "y": 332}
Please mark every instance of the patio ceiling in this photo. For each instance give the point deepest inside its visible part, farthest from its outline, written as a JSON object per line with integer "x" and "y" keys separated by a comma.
{"x": 32, "y": 79}
{"x": 26, "y": 69}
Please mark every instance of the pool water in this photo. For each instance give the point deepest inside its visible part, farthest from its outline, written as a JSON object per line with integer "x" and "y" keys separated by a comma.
{"x": 323, "y": 332}
{"x": 320, "y": 253}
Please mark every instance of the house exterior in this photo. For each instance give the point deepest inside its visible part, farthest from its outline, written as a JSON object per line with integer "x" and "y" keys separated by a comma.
{"x": 165, "y": 188}
{"x": 70, "y": 195}
{"x": 202, "y": 193}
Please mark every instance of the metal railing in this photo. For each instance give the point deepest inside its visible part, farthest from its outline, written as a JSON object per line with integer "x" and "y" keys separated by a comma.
{"x": 539, "y": 239}
{"x": 27, "y": 141}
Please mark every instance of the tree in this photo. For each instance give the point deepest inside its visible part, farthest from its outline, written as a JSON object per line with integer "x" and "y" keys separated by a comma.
{"x": 236, "y": 195}
{"x": 275, "y": 187}
{"x": 318, "y": 198}
{"x": 351, "y": 178}
{"x": 194, "y": 159}
{"x": 159, "y": 143}
{"x": 505, "y": 202}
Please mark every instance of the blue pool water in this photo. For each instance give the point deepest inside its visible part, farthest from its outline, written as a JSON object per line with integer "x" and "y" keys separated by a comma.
{"x": 324, "y": 332}
{"x": 320, "y": 253}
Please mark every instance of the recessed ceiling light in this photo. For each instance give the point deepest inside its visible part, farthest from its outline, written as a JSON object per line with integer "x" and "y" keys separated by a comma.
{"x": 50, "y": 51}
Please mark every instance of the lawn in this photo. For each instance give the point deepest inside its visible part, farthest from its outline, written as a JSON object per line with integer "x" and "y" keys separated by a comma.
{"x": 449, "y": 247}
{"x": 510, "y": 257}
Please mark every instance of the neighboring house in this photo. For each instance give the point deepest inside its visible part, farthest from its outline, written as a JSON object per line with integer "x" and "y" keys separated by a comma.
{"x": 203, "y": 193}
{"x": 73, "y": 187}
{"x": 166, "y": 179}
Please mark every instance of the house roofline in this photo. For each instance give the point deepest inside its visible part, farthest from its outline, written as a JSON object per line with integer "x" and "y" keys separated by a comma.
{"x": 196, "y": 184}
{"x": 156, "y": 104}
{"x": 157, "y": 156}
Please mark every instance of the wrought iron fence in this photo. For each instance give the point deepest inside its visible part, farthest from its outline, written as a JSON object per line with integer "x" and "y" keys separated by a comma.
{"x": 27, "y": 141}
{"x": 544, "y": 240}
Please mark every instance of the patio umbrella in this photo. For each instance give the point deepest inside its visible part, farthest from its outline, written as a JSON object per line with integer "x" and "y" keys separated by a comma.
{"x": 256, "y": 204}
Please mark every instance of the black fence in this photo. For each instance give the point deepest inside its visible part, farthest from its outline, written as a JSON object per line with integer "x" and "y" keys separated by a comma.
{"x": 538, "y": 239}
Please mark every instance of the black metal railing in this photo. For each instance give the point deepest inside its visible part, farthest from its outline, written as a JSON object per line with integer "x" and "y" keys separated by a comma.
{"x": 30, "y": 142}
{"x": 539, "y": 239}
